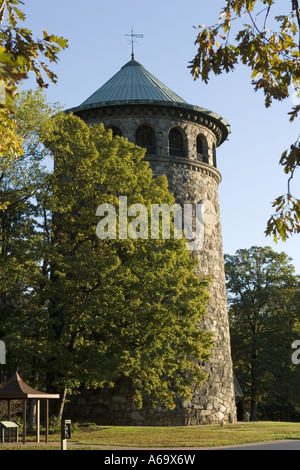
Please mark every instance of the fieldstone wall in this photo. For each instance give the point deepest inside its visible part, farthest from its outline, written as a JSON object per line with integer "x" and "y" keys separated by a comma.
{"x": 191, "y": 181}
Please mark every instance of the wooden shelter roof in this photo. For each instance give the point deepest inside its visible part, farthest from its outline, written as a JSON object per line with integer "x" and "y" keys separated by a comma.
{"x": 17, "y": 389}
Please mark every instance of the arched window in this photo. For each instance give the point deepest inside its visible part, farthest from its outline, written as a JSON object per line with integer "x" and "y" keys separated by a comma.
{"x": 214, "y": 156}
{"x": 145, "y": 137}
{"x": 202, "y": 149}
{"x": 176, "y": 143}
{"x": 116, "y": 131}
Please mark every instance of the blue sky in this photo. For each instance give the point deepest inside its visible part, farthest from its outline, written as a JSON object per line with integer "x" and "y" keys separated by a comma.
{"x": 98, "y": 48}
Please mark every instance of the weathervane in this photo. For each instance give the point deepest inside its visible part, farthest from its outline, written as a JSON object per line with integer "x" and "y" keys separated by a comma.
{"x": 132, "y": 40}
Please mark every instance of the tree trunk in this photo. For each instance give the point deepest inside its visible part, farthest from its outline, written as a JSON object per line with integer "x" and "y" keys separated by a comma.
{"x": 253, "y": 410}
{"x": 32, "y": 415}
{"x": 32, "y": 409}
{"x": 61, "y": 404}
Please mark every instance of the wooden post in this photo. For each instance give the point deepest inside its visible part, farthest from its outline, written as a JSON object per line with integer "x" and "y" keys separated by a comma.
{"x": 47, "y": 421}
{"x": 9, "y": 418}
{"x": 24, "y": 421}
{"x": 38, "y": 419}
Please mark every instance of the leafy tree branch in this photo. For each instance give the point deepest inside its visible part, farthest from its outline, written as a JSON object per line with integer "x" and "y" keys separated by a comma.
{"x": 270, "y": 46}
{"x": 20, "y": 53}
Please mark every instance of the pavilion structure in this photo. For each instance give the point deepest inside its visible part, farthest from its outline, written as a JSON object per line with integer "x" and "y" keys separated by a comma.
{"x": 17, "y": 389}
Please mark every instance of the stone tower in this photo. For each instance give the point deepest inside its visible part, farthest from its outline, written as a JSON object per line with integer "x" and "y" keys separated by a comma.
{"x": 181, "y": 141}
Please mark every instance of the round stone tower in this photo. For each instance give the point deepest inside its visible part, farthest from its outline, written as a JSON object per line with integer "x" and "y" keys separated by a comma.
{"x": 181, "y": 142}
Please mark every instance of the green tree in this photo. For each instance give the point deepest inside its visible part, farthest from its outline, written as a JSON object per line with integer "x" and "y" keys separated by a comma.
{"x": 262, "y": 289}
{"x": 251, "y": 33}
{"x": 25, "y": 238}
{"x": 120, "y": 308}
{"x": 10, "y": 149}
{"x": 77, "y": 310}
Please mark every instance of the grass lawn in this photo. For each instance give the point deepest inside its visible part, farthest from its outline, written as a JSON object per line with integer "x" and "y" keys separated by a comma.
{"x": 168, "y": 437}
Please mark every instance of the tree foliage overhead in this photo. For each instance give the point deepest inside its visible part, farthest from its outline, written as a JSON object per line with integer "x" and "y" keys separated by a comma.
{"x": 252, "y": 33}
{"x": 20, "y": 53}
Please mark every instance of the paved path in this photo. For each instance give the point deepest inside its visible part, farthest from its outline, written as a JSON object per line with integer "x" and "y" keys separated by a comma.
{"x": 273, "y": 445}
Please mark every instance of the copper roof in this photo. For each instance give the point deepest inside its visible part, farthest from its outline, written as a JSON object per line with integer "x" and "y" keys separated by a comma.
{"x": 17, "y": 389}
{"x": 133, "y": 82}
{"x": 134, "y": 85}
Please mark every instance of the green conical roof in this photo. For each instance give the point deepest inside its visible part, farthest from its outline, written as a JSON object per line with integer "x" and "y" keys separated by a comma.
{"x": 134, "y": 85}
{"x": 133, "y": 82}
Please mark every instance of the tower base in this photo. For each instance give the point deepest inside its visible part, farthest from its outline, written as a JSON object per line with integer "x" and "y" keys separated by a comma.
{"x": 115, "y": 407}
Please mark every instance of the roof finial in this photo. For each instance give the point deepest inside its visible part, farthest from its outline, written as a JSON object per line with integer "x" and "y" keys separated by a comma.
{"x": 133, "y": 36}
